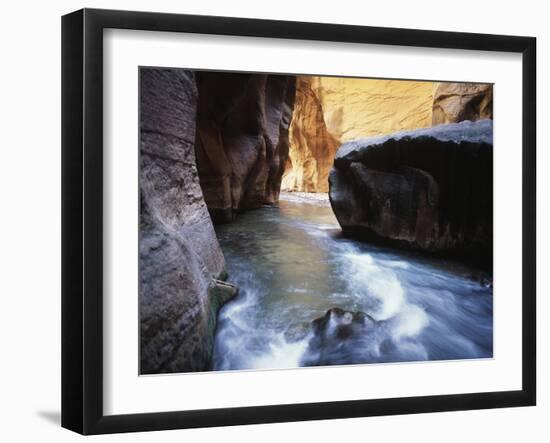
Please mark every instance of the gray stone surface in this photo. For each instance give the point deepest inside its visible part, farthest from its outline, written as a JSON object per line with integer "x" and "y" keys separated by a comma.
{"x": 179, "y": 255}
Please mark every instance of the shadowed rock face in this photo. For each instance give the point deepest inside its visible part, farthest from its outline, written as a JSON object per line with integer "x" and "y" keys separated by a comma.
{"x": 429, "y": 189}
{"x": 455, "y": 102}
{"x": 242, "y": 139}
{"x": 179, "y": 255}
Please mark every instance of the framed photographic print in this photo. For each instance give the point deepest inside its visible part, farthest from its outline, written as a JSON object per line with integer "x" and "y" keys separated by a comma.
{"x": 269, "y": 221}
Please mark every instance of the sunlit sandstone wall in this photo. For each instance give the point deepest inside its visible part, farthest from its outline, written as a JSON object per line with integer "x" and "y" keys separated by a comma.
{"x": 456, "y": 102}
{"x": 312, "y": 146}
{"x": 355, "y": 108}
{"x": 329, "y": 111}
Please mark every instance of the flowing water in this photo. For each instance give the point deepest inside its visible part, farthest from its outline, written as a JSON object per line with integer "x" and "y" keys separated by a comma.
{"x": 292, "y": 264}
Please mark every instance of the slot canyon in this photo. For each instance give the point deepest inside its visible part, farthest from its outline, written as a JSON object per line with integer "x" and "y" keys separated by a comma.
{"x": 302, "y": 220}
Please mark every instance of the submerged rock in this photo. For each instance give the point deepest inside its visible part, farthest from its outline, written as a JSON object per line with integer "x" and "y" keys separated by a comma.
{"x": 344, "y": 337}
{"x": 336, "y": 336}
{"x": 340, "y": 324}
{"x": 429, "y": 189}
{"x": 242, "y": 139}
{"x": 297, "y": 332}
{"x": 179, "y": 256}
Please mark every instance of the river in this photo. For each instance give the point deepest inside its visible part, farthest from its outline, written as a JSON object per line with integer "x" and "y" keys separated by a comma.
{"x": 292, "y": 264}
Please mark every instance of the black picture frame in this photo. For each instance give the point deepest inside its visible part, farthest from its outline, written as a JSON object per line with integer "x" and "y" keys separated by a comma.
{"x": 82, "y": 218}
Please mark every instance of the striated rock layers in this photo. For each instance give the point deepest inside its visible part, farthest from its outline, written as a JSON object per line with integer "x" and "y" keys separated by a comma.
{"x": 180, "y": 260}
{"x": 429, "y": 189}
{"x": 331, "y": 110}
{"x": 242, "y": 139}
{"x": 455, "y": 102}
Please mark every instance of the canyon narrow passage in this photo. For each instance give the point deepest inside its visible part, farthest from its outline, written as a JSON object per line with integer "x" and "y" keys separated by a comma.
{"x": 293, "y": 266}
{"x": 290, "y": 221}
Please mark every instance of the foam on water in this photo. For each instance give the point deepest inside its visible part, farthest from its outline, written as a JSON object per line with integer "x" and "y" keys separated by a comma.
{"x": 412, "y": 320}
{"x": 280, "y": 354}
{"x": 368, "y": 279}
{"x": 291, "y": 268}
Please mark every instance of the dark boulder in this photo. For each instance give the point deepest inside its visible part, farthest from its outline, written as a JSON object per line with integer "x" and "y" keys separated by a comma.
{"x": 428, "y": 189}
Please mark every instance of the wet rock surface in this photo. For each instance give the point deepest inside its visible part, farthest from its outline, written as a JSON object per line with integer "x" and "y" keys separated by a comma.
{"x": 336, "y": 336}
{"x": 340, "y": 324}
{"x": 428, "y": 189}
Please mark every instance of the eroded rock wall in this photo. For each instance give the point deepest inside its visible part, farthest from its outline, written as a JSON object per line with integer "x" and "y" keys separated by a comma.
{"x": 358, "y": 107}
{"x": 242, "y": 139}
{"x": 180, "y": 260}
{"x": 455, "y": 102}
{"x": 428, "y": 189}
{"x": 331, "y": 110}
{"x": 312, "y": 146}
